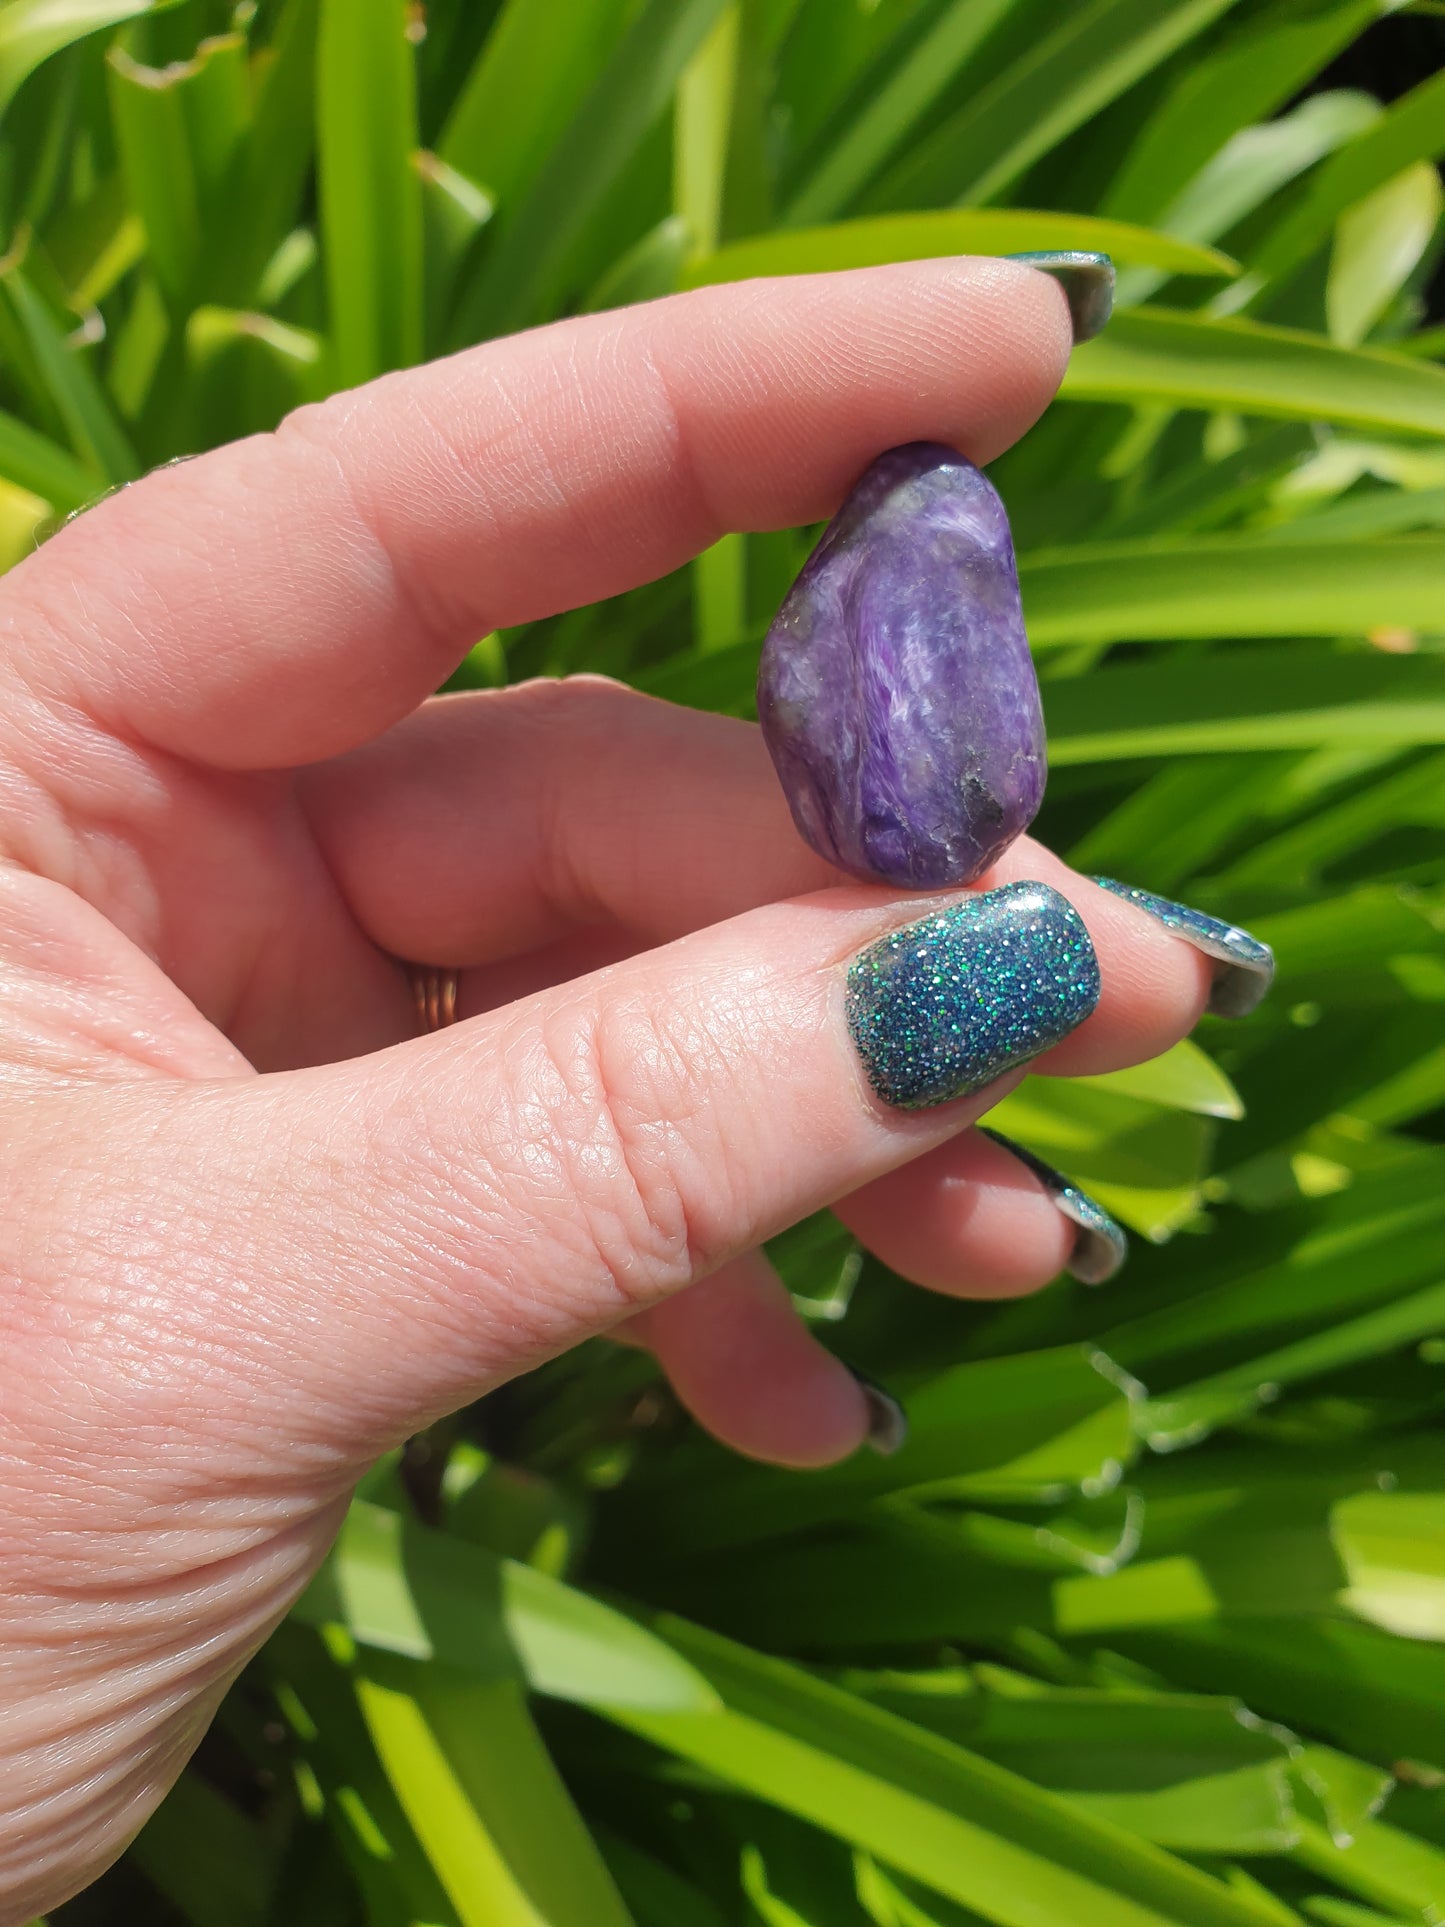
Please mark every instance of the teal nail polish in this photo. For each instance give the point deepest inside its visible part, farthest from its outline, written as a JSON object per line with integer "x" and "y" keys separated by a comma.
{"x": 1100, "y": 1246}
{"x": 944, "y": 1006}
{"x": 1244, "y": 967}
{"x": 1087, "y": 281}
{"x": 887, "y": 1420}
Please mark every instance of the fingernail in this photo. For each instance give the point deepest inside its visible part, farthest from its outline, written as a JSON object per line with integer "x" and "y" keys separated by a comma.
{"x": 947, "y": 1004}
{"x": 1243, "y": 966}
{"x": 1087, "y": 281}
{"x": 887, "y": 1420}
{"x": 1100, "y": 1246}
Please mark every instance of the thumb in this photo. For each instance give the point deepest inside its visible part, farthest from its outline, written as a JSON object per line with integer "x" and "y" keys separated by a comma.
{"x": 445, "y": 1214}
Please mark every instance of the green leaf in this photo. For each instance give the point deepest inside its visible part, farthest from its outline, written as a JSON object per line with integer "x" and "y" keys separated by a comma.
{"x": 1383, "y": 512}
{"x": 1188, "y": 361}
{"x": 342, "y": 1781}
{"x": 1374, "y": 1244}
{"x": 1221, "y": 586}
{"x": 657, "y": 1895}
{"x": 1067, "y": 76}
{"x": 1382, "y": 1864}
{"x": 1248, "y": 1811}
{"x": 249, "y": 369}
{"x": 1031, "y": 1427}
{"x": 917, "y": 237}
{"x": 69, "y": 383}
{"x": 1219, "y": 91}
{"x": 1412, "y": 129}
{"x": 887, "y": 119}
{"x": 195, "y": 1832}
{"x": 1377, "y": 1695}
{"x": 1193, "y": 1411}
{"x": 1344, "y": 1913}
{"x": 487, "y": 1804}
{"x": 702, "y": 122}
{"x": 22, "y": 516}
{"x": 528, "y": 263}
{"x": 969, "y": 1829}
{"x": 179, "y": 129}
{"x": 1379, "y": 243}
{"x": 1166, "y": 1764}
{"x": 33, "y": 462}
{"x": 370, "y": 192}
{"x": 1140, "y": 1161}
{"x": 32, "y": 30}
{"x": 1253, "y": 699}
{"x": 260, "y": 200}
{"x": 651, "y": 267}
{"x": 1255, "y": 165}
{"x": 528, "y": 82}
{"x": 454, "y": 212}
{"x": 399, "y": 1588}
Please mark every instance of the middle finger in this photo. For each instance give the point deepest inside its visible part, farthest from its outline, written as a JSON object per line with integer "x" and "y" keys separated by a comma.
{"x": 519, "y": 833}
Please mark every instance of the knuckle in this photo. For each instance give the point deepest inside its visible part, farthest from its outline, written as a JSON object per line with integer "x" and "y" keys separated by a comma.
{"x": 637, "y": 1081}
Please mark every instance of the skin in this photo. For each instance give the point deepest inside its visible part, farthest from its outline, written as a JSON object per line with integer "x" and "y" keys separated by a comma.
{"x": 257, "y": 1230}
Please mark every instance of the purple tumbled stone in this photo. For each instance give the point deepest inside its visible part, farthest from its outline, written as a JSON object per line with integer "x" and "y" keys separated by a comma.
{"x": 896, "y": 691}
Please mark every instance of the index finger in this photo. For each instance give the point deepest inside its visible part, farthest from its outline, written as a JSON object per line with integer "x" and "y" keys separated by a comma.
{"x": 291, "y": 595}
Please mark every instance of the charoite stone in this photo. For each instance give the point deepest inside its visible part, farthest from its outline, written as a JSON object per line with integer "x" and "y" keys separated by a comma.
{"x": 896, "y": 691}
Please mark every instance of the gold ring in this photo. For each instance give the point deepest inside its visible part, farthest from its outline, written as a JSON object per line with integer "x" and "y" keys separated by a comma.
{"x": 435, "y": 992}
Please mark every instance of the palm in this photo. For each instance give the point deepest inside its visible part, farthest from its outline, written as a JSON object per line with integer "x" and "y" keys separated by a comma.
{"x": 219, "y": 878}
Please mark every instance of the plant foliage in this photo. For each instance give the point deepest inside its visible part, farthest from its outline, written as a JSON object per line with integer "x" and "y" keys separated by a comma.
{"x": 1144, "y": 1626}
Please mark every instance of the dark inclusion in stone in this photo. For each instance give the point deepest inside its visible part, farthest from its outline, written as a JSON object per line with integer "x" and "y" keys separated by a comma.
{"x": 896, "y": 691}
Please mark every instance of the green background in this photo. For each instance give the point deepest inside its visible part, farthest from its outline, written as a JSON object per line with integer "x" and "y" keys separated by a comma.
{"x": 1144, "y": 1624}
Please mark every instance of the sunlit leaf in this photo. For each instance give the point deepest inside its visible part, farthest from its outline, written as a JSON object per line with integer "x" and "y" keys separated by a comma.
{"x": 32, "y": 30}
{"x": 915, "y": 237}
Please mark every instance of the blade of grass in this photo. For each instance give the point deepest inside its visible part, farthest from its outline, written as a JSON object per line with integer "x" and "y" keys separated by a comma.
{"x": 33, "y": 462}
{"x": 257, "y": 204}
{"x": 530, "y": 79}
{"x": 1256, "y": 699}
{"x": 195, "y": 1832}
{"x": 178, "y": 128}
{"x": 486, "y": 1802}
{"x": 402, "y": 1589}
{"x": 1181, "y": 1417}
{"x": 1187, "y": 361}
{"x": 973, "y": 1831}
{"x": 79, "y": 400}
{"x": 1217, "y": 586}
{"x": 370, "y": 193}
{"x": 1094, "y": 54}
{"x": 1249, "y": 171}
{"x": 1245, "y": 78}
{"x": 1379, "y": 243}
{"x": 916, "y": 237}
{"x": 1412, "y": 129}
{"x": 904, "y": 97}
{"x": 528, "y": 263}
{"x": 32, "y": 30}
{"x": 702, "y": 119}
{"x": 1183, "y": 1079}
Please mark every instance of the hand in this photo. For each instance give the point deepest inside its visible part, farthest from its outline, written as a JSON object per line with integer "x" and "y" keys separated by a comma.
{"x": 257, "y": 1230}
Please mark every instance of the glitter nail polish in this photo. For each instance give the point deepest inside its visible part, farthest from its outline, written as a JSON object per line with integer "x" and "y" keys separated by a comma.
{"x": 1244, "y": 967}
{"x": 1100, "y": 1246}
{"x": 887, "y": 1420}
{"x": 1087, "y": 281}
{"x": 947, "y": 1004}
